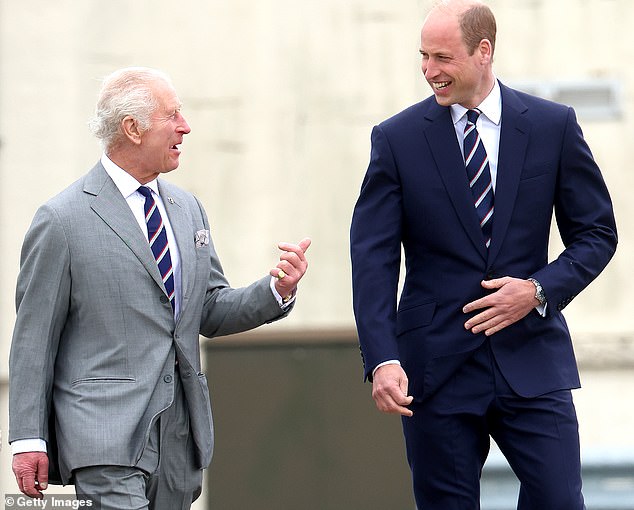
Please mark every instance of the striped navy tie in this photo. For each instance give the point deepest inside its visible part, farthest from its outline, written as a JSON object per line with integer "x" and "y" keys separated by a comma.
{"x": 479, "y": 174}
{"x": 157, "y": 236}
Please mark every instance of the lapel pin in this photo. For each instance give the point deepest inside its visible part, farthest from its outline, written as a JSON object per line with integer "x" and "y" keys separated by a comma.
{"x": 170, "y": 200}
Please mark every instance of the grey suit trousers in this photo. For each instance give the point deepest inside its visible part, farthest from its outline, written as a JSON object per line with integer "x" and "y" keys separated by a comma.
{"x": 165, "y": 478}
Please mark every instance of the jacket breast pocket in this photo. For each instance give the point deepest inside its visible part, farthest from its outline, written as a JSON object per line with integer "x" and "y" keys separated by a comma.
{"x": 535, "y": 171}
{"x": 414, "y": 317}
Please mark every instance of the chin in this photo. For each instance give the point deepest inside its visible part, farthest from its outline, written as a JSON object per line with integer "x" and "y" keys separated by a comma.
{"x": 443, "y": 101}
{"x": 173, "y": 165}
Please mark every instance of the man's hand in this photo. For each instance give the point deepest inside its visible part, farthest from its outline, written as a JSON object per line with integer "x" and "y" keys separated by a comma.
{"x": 31, "y": 472}
{"x": 389, "y": 390}
{"x": 511, "y": 302}
{"x": 291, "y": 267}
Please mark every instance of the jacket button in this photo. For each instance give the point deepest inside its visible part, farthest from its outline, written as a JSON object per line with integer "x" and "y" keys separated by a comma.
{"x": 167, "y": 378}
{"x": 163, "y": 298}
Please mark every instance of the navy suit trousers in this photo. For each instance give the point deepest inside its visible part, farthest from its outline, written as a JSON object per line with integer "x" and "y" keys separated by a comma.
{"x": 448, "y": 440}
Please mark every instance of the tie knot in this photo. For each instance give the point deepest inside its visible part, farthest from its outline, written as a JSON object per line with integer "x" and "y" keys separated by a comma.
{"x": 472, "y": 116}
{"x": 145, "y": 191}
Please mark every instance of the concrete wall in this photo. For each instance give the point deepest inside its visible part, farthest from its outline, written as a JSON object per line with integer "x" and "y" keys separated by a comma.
{"x": 281, "y": 97}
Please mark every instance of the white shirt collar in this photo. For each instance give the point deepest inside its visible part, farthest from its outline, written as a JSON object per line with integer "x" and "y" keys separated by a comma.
{"x": 123, "y": 180}
{"x": 491, "y": 107}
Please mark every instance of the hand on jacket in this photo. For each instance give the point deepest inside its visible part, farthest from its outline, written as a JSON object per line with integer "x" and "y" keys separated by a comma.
{"x": 31, "y": 472}
{"x": 512, "y": 300}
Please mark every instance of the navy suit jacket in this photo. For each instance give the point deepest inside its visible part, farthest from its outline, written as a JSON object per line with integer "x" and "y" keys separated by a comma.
{"x": 415, "y": 195}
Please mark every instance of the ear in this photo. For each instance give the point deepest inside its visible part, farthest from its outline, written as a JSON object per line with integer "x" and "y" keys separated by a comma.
{"x": 485, "y": 50}
{"x": 131, "y": 131}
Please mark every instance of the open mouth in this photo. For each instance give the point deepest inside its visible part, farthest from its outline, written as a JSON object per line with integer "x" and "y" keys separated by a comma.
{"x": 440, "y": 85}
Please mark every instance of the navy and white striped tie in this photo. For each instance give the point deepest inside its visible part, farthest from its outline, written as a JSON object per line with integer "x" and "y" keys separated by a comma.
{"x": 157, "y": 236}
{"x": 479, "y": 174}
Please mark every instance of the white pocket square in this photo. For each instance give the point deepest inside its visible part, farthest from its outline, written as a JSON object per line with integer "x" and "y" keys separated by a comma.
{"x": 201, "y": 238}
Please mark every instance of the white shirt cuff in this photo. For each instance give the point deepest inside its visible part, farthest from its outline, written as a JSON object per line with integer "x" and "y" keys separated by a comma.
{"x": 388, "y": 362}
{"x": 28, "y": 445}
{"x": 283, "y": 304}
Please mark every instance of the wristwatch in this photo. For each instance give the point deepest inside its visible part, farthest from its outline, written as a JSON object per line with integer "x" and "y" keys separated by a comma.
{"x": 539, "y": 291}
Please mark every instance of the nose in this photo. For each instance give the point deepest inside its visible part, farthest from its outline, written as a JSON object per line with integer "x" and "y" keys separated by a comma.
{"x": 183, "y": 126}
{"x": 429, "y": 69}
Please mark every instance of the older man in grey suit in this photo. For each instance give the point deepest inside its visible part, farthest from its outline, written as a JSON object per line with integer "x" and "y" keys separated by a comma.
{"x": 118, "y": 278}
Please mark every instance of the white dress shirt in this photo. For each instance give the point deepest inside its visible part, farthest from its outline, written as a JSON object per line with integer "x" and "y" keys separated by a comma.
{"x": 488, "y": 125}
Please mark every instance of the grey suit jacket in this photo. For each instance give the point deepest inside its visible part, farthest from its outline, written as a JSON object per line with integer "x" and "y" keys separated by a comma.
{"x": 95, "y": 340}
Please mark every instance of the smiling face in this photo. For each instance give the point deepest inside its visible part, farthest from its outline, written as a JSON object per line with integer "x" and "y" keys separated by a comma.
{"x": 455, "y": 76}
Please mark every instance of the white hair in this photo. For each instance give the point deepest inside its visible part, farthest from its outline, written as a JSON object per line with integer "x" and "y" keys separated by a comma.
{"x": 125, "y": 92}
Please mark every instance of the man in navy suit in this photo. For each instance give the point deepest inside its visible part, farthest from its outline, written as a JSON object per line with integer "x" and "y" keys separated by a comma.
{"x": 477, "y": 346}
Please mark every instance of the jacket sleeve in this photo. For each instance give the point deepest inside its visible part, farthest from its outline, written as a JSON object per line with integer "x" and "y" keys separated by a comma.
{"x": 42, "y": 302}
{"x": 227, "y": 310}
{"x": 375, "y": 248}
{"x": 585, "y": 219}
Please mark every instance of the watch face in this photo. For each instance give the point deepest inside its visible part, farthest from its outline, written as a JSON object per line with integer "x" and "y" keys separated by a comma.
{"x": 539, "y": 291}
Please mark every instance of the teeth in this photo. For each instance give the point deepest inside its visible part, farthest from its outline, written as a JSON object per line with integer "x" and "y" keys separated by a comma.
{"x": 441, "y": 85}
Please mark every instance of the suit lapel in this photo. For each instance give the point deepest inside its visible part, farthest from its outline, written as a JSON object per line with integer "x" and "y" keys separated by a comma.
{"x": 452, "y": 171}
{"x": 514, "y": 135}
{"x": 113, "y": 209}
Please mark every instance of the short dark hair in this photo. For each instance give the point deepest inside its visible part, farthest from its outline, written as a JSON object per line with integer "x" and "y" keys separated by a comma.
{"x": 477, "y": 23}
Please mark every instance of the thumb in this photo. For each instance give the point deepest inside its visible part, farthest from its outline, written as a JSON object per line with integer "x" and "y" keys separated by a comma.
{"x": 403, "y": 384}
{"x": 42, "y": 472}
{"x": 495, "y": 283}
{"x": 407, "y": 399}
{"x": 305, "y": 243}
